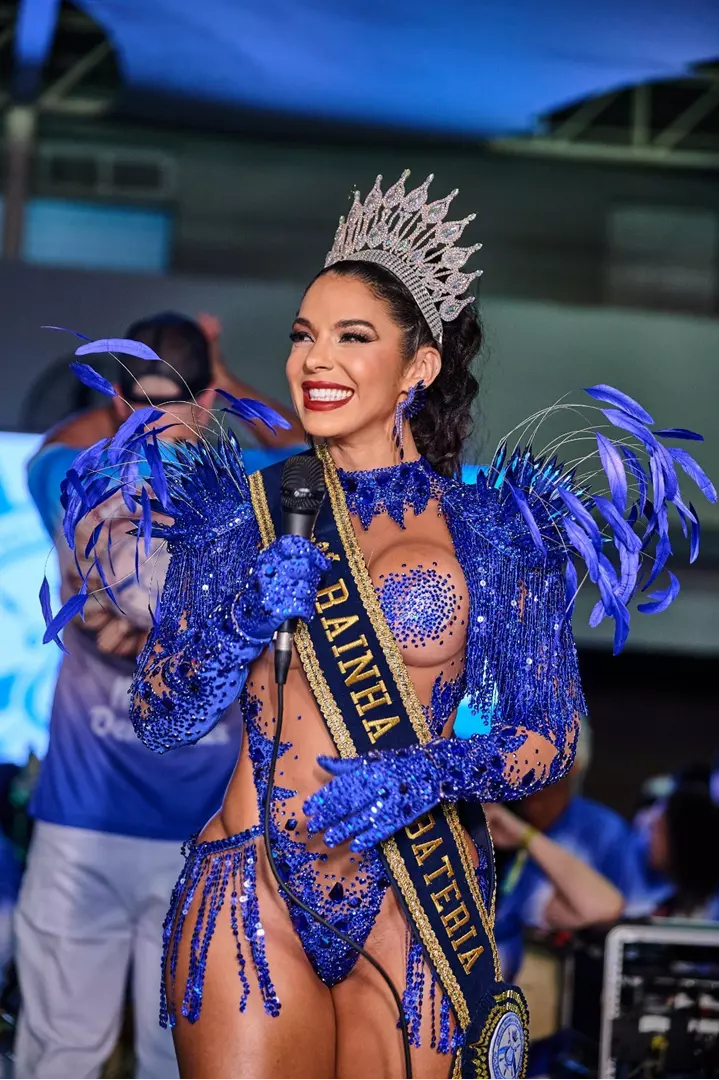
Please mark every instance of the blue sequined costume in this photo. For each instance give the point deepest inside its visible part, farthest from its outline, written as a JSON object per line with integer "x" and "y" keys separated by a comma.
{"x": 515, "y": 534}
{"x": 520, "y": 669}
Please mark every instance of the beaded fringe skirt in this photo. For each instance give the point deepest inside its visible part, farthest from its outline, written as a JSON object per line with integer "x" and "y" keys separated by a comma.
{"x": 219, "y": 879}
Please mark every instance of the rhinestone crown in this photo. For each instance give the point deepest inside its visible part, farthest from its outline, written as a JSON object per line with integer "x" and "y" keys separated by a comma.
{"x": 409, "y": 236}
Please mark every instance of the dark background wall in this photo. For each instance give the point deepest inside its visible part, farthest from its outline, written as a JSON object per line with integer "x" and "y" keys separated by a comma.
{"x": 268, "y": 209}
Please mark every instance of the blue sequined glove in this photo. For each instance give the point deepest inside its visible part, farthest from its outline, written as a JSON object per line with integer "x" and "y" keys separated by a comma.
{"x": 283, "y": 585}
{"x": 373, "y": 796}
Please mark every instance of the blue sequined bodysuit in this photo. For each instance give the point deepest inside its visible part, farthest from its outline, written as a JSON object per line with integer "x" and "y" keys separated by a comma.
{"x": 493, "y": 607}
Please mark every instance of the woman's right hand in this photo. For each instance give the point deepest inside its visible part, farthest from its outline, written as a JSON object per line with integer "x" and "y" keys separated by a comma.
{"x": 283, "y": 586}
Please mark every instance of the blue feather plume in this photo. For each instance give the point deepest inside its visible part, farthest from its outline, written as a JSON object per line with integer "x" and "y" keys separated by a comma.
{"x": 249, "y": 410}
{"x": 570, "y": 586}
{"x": 46, "y": 609}
{"x": 583, "y": 546}
{"x": 679, "y": 433}
{"x": 694, "y": 472}
{"x": 660, "y": 601}
{"x": 66, "y": 330}
{"x": 635, "y": 427}
{"x": 628, "y": 405}
{"x": 93, "y": 379}
{"x": 695, "y": 535}
{"x": 68, "y": 611}
{"x": 157, "y": 472}
{"x": 521, "y": 501}
{"x": 94, "y": 537}
{"x": 146, "y": 522}
{"x": 614, "y": 471}
{"x": 136, "y": 420}
{"x": 582, "y": 515}
{"x": 635, "y": 467}
{"x": 108, "y": 588}
{"x": 557, "y": 502}
{"x": 127, "y": 346}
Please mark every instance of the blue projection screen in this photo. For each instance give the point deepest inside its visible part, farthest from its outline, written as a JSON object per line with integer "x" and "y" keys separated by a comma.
{"x": 28, "y": 668}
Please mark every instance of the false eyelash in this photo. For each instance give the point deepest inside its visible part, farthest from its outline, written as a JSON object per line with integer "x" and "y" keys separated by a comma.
{"x": 356, "y": 336}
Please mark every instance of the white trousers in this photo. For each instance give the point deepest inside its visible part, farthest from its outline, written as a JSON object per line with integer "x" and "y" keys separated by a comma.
{"x": 89, "y": 918}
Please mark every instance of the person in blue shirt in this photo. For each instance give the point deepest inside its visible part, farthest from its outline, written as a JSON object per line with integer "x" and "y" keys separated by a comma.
{"x": 570, "y": 864}
{"x": 110, "y": 815}
{"x": 676, "y": 871}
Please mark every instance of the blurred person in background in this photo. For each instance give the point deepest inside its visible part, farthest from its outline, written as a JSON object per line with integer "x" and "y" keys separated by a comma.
{"x": 570, "y": 864}
{"x": 9, "y": 885}
{"x": 676, "y": 869}
{"x": 110, "y": 815}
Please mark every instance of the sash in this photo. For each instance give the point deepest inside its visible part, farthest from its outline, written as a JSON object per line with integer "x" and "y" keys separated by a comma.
{"x": 366, "y": 696}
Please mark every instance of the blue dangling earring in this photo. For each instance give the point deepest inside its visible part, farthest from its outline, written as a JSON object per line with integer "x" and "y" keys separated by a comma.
{"x": 405, "y": 410}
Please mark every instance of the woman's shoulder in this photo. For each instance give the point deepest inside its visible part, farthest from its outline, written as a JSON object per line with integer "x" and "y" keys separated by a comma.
{"x": 482, "y": 515}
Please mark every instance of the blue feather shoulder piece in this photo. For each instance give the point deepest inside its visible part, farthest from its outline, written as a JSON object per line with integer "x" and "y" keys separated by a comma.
{"x": 607, "y": 510}
{"x": 190, "y": 496}
{"x": 200, "y": 488}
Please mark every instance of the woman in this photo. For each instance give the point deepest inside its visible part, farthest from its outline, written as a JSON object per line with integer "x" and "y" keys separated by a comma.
{"x": 675, "y": 874}
{"x": 424, "y": 590}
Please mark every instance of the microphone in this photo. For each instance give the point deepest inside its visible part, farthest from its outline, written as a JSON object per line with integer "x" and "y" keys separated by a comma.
{"x": 303, "y": 490}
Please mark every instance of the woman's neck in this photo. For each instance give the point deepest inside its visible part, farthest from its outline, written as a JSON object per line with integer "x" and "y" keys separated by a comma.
{"x": 363, "y": 454}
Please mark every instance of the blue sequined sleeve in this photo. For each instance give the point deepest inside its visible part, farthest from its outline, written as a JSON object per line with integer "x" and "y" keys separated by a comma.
{"x": 521, "y": 667}
{"x": 195, "y": 662}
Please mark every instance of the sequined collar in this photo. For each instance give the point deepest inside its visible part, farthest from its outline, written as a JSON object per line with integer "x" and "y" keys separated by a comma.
{"x": 392, "y": 490}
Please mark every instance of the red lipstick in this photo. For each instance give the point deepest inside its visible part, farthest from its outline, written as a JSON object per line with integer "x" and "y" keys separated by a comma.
{"x": 318, "y": 395}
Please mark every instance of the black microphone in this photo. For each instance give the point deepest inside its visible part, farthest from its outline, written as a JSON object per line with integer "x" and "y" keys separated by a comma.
{"x": 303, "y": 489}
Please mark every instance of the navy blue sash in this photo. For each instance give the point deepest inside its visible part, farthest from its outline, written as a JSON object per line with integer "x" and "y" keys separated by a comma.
{"x": 358, "y": 676}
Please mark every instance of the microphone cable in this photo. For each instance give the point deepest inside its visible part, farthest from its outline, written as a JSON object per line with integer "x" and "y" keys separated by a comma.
{"x": 291, "y": 895}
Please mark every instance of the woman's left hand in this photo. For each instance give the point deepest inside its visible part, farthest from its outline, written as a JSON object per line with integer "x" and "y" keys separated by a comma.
{"x": 371, "y": 797}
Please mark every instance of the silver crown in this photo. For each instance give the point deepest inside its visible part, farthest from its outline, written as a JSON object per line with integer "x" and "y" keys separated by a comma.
{"x": 409, "y": 236}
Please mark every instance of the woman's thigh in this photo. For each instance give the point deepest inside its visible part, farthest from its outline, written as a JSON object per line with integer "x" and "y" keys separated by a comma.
{"x": 225, "y": 1042}
{"x": 369, "y": 1043}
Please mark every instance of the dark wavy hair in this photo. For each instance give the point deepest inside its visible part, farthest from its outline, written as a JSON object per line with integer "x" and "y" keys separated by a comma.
{"x": 445, "y": 420}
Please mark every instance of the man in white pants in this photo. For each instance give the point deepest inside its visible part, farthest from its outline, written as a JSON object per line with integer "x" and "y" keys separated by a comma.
{"x": 110, "y": 815}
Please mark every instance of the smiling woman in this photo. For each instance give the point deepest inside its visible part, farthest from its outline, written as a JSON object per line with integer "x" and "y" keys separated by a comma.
{"x": 419, "y": 591}
{"x": 388, "y": 322}
{"x": 351, "y": 368}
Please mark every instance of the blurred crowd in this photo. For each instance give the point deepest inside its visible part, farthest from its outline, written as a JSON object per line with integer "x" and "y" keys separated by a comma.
{"x": 81, "y": 906}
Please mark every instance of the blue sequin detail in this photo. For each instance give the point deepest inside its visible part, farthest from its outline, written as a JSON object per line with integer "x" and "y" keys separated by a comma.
{"x": 446, "y": 697}
{"x": 392, "y": 491}
{"x": 350, "y": 905}
{"x": 210, "y": 869}
{"x": 414, "y": 991}
{"x": 419, "y": 604}
{"x": 187, "y": 677}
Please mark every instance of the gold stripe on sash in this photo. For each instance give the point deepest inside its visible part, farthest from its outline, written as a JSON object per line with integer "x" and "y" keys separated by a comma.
{"x": 429, "y": 938}
{"x": 305, "y": 649}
